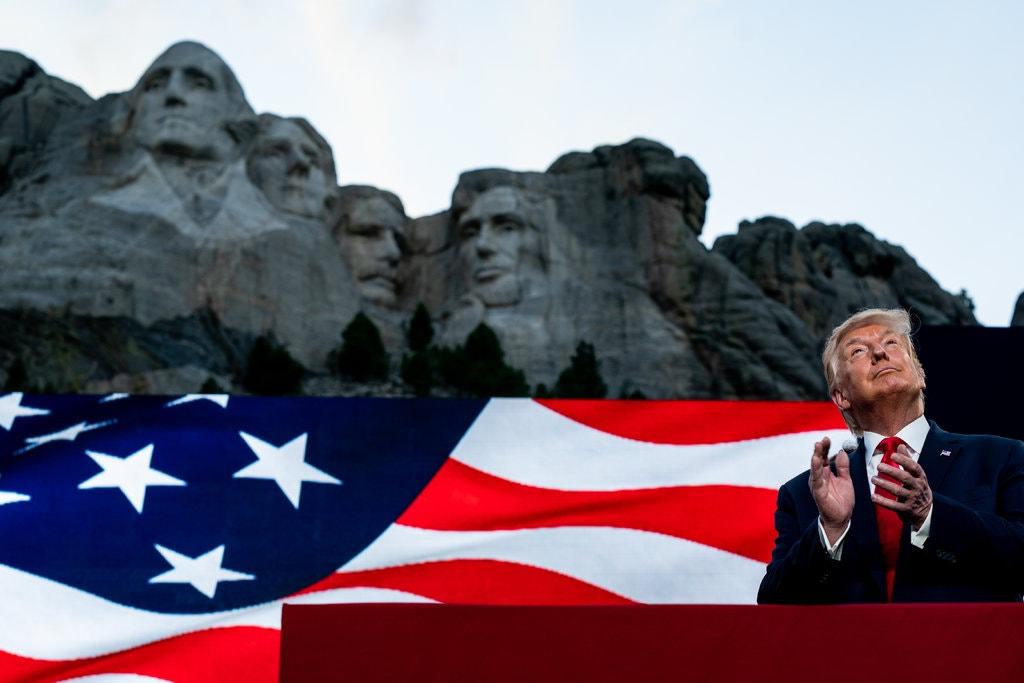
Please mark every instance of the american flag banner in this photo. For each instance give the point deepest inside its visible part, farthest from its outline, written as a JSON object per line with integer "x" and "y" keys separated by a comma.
{"x": 152, "y": 538}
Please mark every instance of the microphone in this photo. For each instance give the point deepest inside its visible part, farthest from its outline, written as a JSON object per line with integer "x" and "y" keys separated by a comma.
{"x": 850, "y": 445}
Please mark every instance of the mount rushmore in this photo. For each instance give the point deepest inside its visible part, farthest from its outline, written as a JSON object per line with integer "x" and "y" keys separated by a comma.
{"x": 149, "y": 237}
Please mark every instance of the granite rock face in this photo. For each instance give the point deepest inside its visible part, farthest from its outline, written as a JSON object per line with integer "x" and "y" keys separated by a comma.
{"x": 824, "y": 273}
{"x": 603, "y": 248}
{"x": 97, "y": 354}
{"x": 176, "y": 197}
{"x": 1018, "y": 312}
{"x": 148, "y": 237}
{"x": 31, "y": 105}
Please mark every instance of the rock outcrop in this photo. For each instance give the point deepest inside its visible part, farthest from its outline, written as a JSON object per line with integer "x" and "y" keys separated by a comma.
{"x": 31, "y": 105}
{"x": 824, "y": 273}
{"x": 603, "y": 248}
{"x": 149, "y": 237}
{"x": 175, "y": 197}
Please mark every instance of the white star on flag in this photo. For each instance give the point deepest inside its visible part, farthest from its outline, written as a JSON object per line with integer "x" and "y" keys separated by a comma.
{"x": 113, "y": 397}
{"x": 285, "y": 465}
{"x": 11, "y": 409}
{"x": 203, "y": 572}
{"x": 68, "y": 434}
{"x": 12, "y": 497}
{"x": 219, "y": 399}
{"x": 131, "y": 474}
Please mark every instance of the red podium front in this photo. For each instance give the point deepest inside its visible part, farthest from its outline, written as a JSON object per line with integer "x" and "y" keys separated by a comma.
{"x": 971, "y": 643}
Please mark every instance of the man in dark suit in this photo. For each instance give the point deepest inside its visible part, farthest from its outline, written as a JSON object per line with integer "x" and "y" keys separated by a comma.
{"x": 913, "y": 514}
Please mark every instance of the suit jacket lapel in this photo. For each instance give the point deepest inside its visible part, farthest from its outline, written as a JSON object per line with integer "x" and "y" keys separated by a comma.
{"x": 937, "y": 455}
{"x": 939, "y": 451}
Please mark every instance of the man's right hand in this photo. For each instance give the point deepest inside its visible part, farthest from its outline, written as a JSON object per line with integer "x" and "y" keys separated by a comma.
{"x": 833, "y": 493}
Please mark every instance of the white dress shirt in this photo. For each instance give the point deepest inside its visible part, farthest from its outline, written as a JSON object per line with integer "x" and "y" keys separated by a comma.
{"x": 913, "y": 435}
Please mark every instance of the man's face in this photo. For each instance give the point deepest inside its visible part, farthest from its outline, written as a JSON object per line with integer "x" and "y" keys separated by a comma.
{"x": 875, "y": 363}
{"x": 496, "y": 243}
{"x": 288, "y": 166}
{"x": 372, "y": 244}
{"x": 183, "y": 103}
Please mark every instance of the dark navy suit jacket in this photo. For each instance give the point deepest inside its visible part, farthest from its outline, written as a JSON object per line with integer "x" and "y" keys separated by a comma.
{"x": 975, "y": 547}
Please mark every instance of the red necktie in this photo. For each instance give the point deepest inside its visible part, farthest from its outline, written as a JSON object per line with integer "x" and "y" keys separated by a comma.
{"x": 890, "y": 526}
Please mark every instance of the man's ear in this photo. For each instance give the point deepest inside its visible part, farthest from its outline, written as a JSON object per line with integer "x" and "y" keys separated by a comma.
{"x": 839, "y": 398}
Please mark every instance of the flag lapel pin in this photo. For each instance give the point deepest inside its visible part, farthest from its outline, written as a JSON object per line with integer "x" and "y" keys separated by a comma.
{"x": 944, "y": 453}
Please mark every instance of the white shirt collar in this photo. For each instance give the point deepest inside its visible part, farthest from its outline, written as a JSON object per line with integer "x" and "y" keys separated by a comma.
{"x": 913, "y": 434}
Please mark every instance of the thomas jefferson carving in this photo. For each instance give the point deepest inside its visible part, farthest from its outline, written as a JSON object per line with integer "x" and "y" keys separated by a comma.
{"x": 292, "y": 164}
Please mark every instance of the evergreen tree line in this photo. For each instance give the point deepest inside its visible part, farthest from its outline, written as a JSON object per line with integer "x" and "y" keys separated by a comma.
{"x": 475, "y": 368}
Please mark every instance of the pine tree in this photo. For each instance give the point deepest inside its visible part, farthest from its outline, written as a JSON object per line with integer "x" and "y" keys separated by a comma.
{"x": 582, "y": 379}
{"x": 419, "y": 368}
{"x": 418, "y": 372}
{"x": 17, "y": 376}
{"x": 483, "y": 347}
{"x": 478, "y": 367}
{"x": 271, "y": 370}
{"x": 421, "y": 330}
{"x": 362, "y": 356}
{"x": 212, "y": 386}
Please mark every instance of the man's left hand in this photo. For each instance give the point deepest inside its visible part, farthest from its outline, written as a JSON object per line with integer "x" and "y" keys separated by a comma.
{"x": 913, "y": 494}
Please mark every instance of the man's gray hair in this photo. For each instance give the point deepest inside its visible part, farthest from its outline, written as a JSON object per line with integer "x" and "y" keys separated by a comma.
{"x": 895, "y": 319}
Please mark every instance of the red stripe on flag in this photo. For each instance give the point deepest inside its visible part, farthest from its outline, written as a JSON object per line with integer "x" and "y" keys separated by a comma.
{"x": 738, "y": 519}
{"x": 477, "y": 582}
{"x": 240, "y": 653}
{"x": 699, "y": 422}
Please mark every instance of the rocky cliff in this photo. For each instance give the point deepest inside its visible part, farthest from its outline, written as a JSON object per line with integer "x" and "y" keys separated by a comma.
{"x": 149, "y": 237}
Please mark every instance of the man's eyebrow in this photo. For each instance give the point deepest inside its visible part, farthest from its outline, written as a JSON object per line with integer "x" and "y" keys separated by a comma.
{"x": 860, "y": 340}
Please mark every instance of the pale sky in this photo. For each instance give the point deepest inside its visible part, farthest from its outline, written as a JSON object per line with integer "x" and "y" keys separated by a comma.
{"x": 904, "y": 116}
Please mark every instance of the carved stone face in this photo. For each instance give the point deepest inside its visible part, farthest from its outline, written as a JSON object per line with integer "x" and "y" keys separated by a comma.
{"x": 498, "y": 248}
{"x": 288, "y": 165}
{"x": 182, "y": 103}
{"x": 371, "y": 242}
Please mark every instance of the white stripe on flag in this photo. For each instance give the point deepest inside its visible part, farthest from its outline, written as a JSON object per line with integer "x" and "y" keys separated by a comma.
{"x": 639, "y": 565}
{"x": 87, "y": 626}
{"x": 524, "y": 442}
